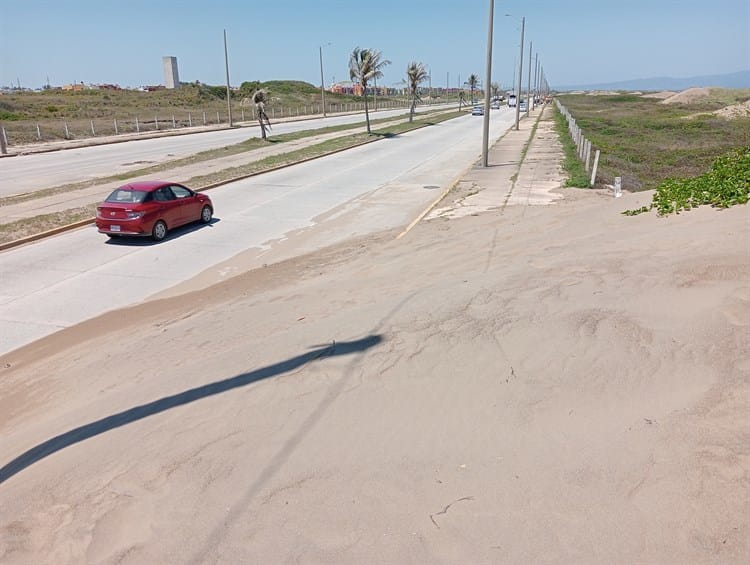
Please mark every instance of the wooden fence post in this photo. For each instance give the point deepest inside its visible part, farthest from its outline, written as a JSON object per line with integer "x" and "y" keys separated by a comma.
{"x": 596, "y": 164}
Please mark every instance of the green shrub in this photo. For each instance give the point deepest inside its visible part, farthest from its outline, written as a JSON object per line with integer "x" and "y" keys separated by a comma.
{"x": 7, "y": 116}
{"x": 726, "y": 184}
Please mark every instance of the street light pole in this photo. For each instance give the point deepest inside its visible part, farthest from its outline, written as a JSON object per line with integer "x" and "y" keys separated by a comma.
{"x": 520, "y": 73}
{"x": 322, "y": 81}
{"x": 486, "y": 129}
{"x": 229, "y": 91}
{"x": 528, "y": 88}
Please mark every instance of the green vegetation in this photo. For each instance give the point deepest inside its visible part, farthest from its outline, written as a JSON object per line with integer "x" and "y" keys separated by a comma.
{"x": 416, "y": 73}
{"x": 366, "y": 65}
{"x": 473, "y": 82}
{"x": 646, "y": 142}
{"x": 727, "y": 183}
{"x": 572, "y": 165}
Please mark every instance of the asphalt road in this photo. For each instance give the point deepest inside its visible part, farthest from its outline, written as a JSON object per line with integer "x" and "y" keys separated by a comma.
{"x": 60, "y": 281}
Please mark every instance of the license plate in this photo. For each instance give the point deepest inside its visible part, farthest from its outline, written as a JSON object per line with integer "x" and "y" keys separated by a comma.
{"x": 114, "y": 228}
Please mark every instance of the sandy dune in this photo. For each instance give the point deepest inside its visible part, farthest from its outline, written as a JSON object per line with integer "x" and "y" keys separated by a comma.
{"x": 524, "y": 384}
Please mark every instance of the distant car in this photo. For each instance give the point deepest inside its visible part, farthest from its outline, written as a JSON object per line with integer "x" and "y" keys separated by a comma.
{"x": 477, "y": 111}
{"x": 495, "y": 105}
{"x": 522, "y": 106}
{"x": 151, "y": 208}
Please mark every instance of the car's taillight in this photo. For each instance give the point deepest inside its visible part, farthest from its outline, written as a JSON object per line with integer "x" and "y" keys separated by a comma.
{"x": 134, "y": 215}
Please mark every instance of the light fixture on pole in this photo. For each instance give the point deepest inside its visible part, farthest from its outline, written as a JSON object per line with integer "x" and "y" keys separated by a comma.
{"x": 322, "y": 81}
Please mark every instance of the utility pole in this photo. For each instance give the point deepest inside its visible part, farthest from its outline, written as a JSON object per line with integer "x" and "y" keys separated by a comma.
{"x": 528, "y": 88}
{"x": 229, "y": 90}
{"x": 486, "y": 129}
{"x": 322, "y": 81}
{"x": 520, "y": 72}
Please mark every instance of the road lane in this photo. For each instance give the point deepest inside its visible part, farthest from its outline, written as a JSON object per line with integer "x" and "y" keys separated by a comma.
{"x": 64, "y": 280}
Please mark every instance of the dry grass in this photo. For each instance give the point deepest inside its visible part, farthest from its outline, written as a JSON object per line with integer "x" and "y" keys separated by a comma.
{"x": 191, "y": 104}
{"x": 644, "y": 141}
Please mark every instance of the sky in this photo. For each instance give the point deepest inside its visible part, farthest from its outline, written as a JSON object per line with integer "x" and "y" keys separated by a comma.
{"x": 576, "y": 42}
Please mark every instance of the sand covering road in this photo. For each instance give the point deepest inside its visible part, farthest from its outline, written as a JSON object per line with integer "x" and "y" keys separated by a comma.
{"x": 557, "y": 384}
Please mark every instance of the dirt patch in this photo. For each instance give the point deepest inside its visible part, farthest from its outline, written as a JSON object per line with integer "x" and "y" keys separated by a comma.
{"x": 735, "y": 111}
{"x": 663, "y": 95}
{"x": 688, "y": 96}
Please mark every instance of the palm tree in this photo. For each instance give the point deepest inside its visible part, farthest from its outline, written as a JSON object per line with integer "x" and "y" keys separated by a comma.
{"x": 495, "y": 90}
{"x": 260, "y": 97}
{"x": 472, "y": 82}
{"x": 366, "y": 64}
{"x": 415, "y": 74}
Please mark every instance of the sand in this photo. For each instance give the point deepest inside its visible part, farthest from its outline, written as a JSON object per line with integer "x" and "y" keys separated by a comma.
{"x": 688, "y": 95}
{"x": 664, "y": 94}
{"x": 525, "y": 384}
{"x": 735, "y": 111}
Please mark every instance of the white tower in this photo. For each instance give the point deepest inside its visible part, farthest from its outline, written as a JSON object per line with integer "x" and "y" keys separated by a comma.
{"x": 171, "y": 77}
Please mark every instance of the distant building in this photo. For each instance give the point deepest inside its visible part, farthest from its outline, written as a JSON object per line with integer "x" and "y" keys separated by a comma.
{"x": 76, "y": 87}
{"x": 171, "y": 76}
{"x": 348, "y": 87}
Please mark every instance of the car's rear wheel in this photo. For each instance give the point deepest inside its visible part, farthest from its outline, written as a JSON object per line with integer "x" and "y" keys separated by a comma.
{"x": 206, "y": 214}
{"x": 159, "y": 231}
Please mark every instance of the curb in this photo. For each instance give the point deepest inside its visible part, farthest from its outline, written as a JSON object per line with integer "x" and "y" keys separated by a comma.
{"x": 457, "y": 179}
{"x": 44, "y": 234}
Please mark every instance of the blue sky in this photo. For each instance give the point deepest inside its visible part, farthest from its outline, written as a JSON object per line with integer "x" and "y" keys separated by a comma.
{"x": 577, "y": 41}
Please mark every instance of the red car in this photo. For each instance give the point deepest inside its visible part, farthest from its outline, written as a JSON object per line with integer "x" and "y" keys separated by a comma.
{"x": 151, "y": 208}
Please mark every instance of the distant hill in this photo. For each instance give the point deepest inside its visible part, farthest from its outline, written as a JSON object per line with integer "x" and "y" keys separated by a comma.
{"x": 739, "y": 79}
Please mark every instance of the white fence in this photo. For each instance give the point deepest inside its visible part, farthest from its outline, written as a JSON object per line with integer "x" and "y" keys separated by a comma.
{"x": 583, "y": 145}
{"x": 27, "y": 132}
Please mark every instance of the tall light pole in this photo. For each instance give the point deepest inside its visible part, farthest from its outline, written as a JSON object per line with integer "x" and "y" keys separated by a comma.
{"x": 429, "y": 77}
{"x": 486, "y": 129}
{"x": 520, "y": 73}
{"x": 528, "y": 88}
{"x": 229, "y": 90}
{"x": 322, "y": 80}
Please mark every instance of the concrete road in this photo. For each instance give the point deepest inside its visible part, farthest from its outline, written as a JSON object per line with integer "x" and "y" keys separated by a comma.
{"x": 26, "y": 173}
{"x": 64, "y": 280}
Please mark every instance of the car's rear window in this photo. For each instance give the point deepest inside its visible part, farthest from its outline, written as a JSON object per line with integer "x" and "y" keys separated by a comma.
{"x": 125, "y": 196}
